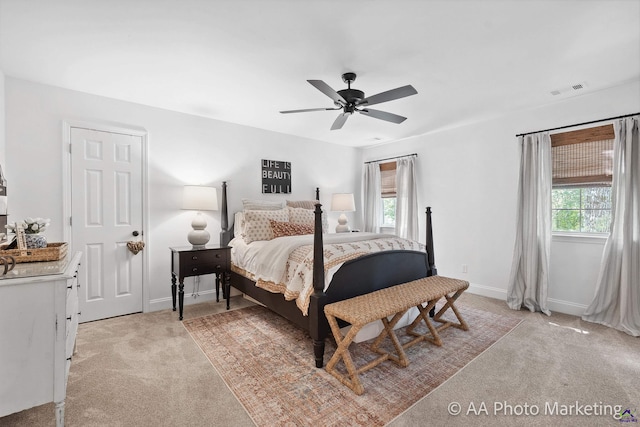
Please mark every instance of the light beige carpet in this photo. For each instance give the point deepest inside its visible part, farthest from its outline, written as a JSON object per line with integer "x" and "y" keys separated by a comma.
{"x": 268, "y": 364}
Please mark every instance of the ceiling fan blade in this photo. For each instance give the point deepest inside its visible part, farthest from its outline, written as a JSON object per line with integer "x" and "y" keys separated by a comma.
{"x": 340, "y": 121}
{"x": 383, "y": 115}
{"x": 327, "y": 90}
{"x": 306, "y": 110}
{"x": 389, "y": 95}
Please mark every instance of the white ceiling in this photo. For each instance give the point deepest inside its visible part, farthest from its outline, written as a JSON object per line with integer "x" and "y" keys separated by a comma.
{"x": 243, "y": 61}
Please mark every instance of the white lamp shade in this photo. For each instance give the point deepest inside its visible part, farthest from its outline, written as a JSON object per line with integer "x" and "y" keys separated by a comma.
{"x": 343, "y": 202}
{"x": 200, "y": 198}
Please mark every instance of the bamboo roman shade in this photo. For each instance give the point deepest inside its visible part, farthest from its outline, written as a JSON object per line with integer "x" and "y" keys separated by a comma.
{"x": 583, "y": 157}
{"x": 388, "y": 179}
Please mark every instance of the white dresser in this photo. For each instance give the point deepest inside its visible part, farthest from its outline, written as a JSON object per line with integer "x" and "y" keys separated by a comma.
{"x": 38, "y": 326}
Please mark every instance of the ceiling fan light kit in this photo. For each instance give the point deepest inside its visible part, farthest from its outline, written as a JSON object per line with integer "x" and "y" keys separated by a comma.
{"x": 354, "y": 101}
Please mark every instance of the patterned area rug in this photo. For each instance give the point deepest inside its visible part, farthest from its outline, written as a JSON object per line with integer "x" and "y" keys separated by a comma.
{"x": 268, "y": 364}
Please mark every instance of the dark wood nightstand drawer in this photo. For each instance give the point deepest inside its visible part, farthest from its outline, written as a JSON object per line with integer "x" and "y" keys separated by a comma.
{"x": 211, "y": 261}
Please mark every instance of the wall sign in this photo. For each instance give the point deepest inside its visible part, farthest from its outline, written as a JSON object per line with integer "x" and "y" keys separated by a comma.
{"x": 276, "y": 177}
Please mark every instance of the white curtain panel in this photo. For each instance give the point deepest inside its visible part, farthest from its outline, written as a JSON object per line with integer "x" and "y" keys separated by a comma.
{"x": 617, "y": 299}
{"x": 372, "y": 209}
{"x": 530, "y": 268}
{"x": 406, "y": 198}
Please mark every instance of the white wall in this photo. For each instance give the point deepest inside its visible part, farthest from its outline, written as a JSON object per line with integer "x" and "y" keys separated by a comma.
{"x": 182, "y": 149}
{"x": 469, "y": 176}
{"x": 2, "y": 125}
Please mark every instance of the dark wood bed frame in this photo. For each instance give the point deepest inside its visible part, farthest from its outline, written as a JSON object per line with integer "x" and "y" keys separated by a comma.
{"x": 356, "y": 277}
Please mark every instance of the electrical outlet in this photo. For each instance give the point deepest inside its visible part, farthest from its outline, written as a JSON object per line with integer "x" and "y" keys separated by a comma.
{"x": 464, "y": 268}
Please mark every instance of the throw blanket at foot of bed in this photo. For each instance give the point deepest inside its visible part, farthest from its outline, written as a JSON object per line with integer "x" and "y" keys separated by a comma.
{"x": 380, "y": 305}
{"x": 285, "y": 264}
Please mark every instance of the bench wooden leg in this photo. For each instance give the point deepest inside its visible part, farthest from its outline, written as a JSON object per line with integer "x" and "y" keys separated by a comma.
{"x": 423, "y": 315}
{"x": 400, "y": 358}
{"x": 450, "y": 304}
{"x": 342, "y": 352}
{"x": 352, "y": 379}
{"x": 435, "y": 336}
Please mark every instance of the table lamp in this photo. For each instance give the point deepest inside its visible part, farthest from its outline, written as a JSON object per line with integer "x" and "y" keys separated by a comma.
{"x": 342, "y": 202}
{"x": 199, "y": 198}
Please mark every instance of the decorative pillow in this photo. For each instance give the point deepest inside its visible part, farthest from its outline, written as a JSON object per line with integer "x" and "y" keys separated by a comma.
{"x": 280, "y": 229}
{"x": 256, "y": 223}
{"x": 307, "y": 216}
{"x": 301, "y": 215}
{"x": 262, "y": 205}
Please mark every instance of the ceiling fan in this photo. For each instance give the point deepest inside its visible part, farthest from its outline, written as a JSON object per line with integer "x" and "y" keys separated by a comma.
{"x": 353, "y": 101}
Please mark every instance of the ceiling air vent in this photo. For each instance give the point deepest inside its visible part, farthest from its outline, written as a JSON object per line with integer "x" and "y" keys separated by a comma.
{"x": 569, "y": 89}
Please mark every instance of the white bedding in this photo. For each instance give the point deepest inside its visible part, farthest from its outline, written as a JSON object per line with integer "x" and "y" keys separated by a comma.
{"x": 285, "y": 265}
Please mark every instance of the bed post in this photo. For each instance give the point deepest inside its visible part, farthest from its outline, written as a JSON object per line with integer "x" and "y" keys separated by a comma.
{"x": 224, "y": 217}
{"x": 318, "y": 193}
{"x": 429, "y": 245}
{"x": 316, "y": 303}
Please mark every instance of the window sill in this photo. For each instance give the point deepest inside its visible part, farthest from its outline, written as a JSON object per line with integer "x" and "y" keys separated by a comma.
{"x": 592, "y": 238}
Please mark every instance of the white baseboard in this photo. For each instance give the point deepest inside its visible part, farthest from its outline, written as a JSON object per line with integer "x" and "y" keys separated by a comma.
{"x": 566, "y": 307}
{"x": 560, "y": 306}
{"x": 167, "y": 302}
{"x": 203, "y": 296}
{"x": 487, "y": 291}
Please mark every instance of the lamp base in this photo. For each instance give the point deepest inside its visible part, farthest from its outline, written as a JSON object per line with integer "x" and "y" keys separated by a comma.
{"x": 342, "y": 226}
{"x": 198, "y": 236}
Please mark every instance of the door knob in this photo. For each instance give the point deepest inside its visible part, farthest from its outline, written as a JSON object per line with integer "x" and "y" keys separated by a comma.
{"x": 135, "y": 233}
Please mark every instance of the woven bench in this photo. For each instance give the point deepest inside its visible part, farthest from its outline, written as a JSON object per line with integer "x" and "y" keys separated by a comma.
{"x": 380, "y": 305}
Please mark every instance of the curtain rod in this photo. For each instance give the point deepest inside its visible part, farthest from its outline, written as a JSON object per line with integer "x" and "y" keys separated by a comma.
{"x": 579, "y": 124}
{"x": 391, "y": 158}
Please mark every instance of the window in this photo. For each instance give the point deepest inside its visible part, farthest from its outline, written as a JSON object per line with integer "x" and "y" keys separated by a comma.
{"x": 389, "y": 212}
{"x": 586, "y": 209}
{"x": 388, "y": 192}
{"x": 582, "y": 170}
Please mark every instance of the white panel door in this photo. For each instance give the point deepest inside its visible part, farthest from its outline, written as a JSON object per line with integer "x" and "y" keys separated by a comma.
{"x": 106, "y": 212}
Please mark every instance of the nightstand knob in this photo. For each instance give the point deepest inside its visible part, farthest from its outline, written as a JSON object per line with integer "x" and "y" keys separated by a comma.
{"x": 195, "y": 257}
{"x": 217, "y": 255}
{"x": 218, "y": 267}
{"x": 195, "y": 269}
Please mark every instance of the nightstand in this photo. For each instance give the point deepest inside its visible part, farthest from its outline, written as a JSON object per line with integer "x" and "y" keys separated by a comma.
{"x": 187, "y": 261}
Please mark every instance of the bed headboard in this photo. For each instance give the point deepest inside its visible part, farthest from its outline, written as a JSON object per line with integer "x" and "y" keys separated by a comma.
{"x": 227, "y": 232}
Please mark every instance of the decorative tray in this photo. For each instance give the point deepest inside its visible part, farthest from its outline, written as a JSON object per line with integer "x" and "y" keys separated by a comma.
{"x": 53, "y": 252}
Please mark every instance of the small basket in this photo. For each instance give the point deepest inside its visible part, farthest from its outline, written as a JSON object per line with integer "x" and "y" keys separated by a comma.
{"x": 53, "y": 252}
